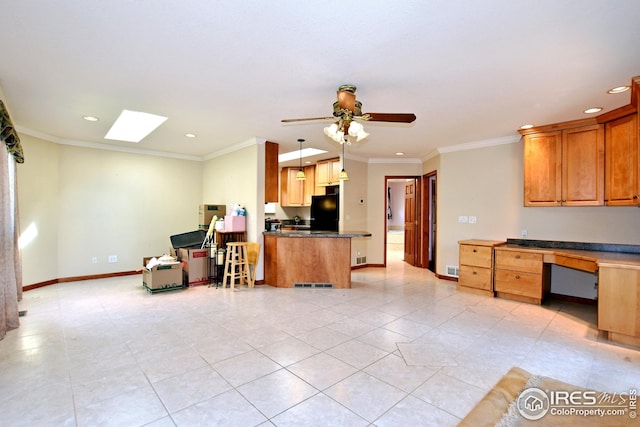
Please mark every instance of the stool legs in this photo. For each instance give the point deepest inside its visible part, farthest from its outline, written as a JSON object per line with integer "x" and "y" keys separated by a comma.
{"x": 237, "y": 265}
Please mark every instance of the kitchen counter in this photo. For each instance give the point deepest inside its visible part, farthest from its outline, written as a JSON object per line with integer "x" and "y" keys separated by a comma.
{"x": 317, "y": 233}
{"x": 308, "y": 259}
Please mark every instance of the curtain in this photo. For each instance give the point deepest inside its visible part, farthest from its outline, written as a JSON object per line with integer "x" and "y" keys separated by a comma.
{"x": 10, "y": 263}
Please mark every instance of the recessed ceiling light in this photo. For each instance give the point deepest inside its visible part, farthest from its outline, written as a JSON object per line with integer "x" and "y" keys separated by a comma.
{"x": 593, "y": 110}
{"x": 190, "y": 135}
{"x": 619, "y": 89}
{"x": 526, "y": 126}
{"x": 90, "y": 118}
{"x": 399, "y": 153}
{"x": 133, "y": 126}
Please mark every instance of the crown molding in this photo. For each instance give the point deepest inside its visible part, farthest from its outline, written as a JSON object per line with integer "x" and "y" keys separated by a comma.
{"x": 480, "y": 144}
{"x": 106, "y": 147}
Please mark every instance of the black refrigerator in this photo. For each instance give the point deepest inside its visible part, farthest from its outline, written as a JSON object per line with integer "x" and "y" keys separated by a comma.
{"x": 324, "y": 213}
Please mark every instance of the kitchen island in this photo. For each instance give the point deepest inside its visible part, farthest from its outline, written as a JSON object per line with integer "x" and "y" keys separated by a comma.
{"x": 299, "y": 258}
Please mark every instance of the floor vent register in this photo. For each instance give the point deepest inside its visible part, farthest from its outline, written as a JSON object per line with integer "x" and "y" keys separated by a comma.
{"x": 313, "y": 285}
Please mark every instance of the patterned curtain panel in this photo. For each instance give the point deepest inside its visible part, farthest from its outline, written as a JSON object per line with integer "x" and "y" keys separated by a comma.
{"x": 9, "y": 136}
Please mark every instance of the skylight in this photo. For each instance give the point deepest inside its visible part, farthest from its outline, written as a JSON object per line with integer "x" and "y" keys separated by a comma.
{"x": 133, "y": 126}
{"x": 305, "y": 152}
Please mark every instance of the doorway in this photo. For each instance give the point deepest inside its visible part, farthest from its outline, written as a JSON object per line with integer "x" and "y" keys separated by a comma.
{"x": 410, "y": 220}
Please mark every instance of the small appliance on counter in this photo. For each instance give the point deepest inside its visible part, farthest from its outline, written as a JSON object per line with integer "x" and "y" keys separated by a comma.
{"x": 271, "y": 224}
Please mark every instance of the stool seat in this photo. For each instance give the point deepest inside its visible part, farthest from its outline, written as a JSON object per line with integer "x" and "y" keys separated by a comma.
{"x": 237, "y": 265}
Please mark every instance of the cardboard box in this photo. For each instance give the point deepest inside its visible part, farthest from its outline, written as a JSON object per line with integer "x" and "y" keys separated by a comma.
{"x": 195, "y": 265}
{"x": 206, "y": 213}
{"x": 162, "y": 277}
{"x": 235, "y": 223}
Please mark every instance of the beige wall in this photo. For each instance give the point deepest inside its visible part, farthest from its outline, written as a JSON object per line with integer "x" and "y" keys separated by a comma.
{"x": 95, "y": 203}
{"x": 238, "y": 177}
{"x": 376, "y": 202}
{"x": 488, "y": 182}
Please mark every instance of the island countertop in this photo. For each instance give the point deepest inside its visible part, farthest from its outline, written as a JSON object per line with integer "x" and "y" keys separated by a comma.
{"x": 297, "y": 258}
{"x": 308, "y": 233}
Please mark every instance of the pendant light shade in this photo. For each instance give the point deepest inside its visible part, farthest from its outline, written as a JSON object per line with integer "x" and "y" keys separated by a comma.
{"x": 300, "y": 175}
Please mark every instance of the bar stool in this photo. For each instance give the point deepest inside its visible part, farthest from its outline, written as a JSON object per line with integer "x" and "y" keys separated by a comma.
{"x": 237, "y": 265}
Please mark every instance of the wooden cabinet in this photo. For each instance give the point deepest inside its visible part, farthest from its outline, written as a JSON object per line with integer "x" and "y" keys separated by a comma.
{"x": 521, "y": 275}
{"x": 270, "y": 172}
{"x": 476, "y": 266}
{"x": 328, "y": 172}
{"x": 564, "y": 167}
{"x": 619, "y": 302}
{"x": 294, "y": 192}
{"x": 623, "y": 162}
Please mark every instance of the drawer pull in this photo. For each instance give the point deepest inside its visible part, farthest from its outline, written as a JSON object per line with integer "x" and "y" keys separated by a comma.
{"x": 475, "y": 272}
{"x": 517, "y": 256}
{"x": 517, "y": 276}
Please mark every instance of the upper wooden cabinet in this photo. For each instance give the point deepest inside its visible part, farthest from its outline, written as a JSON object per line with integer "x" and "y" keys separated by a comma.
{"x": 623, "y": 162}
{"x": 564, "y": 163}
{"x": 270, "y": 172}
{"x": 328, "y": 172}
{"x": 294, "y": 192}
{"x": 564, "y": 167}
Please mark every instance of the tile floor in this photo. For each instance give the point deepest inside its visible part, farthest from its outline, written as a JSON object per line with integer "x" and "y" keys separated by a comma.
{"x": 400, "y": 348}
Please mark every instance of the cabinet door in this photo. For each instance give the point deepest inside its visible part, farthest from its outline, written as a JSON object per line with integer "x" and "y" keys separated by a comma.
{"x": 583, "y": 166}
{"x": 270, "y": 172}
{"x": 622, "y": 180}
{"x": 619, "y": 300}
{"x": 291, "y": 190}
{"x": 543, "y": 169}
{"x": 323, "y": 173}
{"x": 309, "y": 184}
{"x": 336, "y": 167}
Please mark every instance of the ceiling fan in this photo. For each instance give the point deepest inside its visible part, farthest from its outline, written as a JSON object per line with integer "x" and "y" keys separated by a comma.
{"x": 347, "y": 109}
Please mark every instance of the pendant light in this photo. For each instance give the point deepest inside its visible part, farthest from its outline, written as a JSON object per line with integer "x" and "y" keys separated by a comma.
{"x": 343, "y": 173}
{"x": 300, "y": 175}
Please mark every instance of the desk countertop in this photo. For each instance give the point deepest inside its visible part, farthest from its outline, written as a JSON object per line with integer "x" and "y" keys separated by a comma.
{"x": 599, "y": 257}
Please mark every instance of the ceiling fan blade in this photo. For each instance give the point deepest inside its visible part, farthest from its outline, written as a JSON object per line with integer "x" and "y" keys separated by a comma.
{"x": 391, "y": 117}
{"x": 346, "y": 100}
{"x": 305, "y": 119}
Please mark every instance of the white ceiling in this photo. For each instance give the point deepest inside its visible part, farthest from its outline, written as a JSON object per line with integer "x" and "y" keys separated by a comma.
{"x": 229, "y": 71}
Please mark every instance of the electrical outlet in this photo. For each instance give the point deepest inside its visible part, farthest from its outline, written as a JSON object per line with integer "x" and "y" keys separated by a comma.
{"x": 473, "y": 220}
{"x": 462, "y": 219}
{"x": 94, "y": 260}
{"x": 113, "y": 258}
{"x": 525, "y": 233}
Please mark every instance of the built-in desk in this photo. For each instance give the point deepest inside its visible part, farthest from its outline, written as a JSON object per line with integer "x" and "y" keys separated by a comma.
{"x": 522, "y": 273}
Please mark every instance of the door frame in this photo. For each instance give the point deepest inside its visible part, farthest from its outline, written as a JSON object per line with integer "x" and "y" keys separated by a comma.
{"x": 418, "y": 232}
{"x": 428, "y": 219}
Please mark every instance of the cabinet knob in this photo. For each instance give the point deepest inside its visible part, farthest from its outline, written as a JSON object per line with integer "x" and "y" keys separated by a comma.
{"x": 475, "y": 250}
{"x": 517, "y": 256}
{"x": 475, "y": 272}
{"x": 517, "y": 276}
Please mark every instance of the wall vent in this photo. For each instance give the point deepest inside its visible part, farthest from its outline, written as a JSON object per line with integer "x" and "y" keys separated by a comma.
{"x": 361, "y": 260}
{"x": 453, "y": 271}
{"x": 313, "y": 285}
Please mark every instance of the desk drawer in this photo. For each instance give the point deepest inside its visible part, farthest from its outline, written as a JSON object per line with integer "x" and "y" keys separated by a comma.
{"x": 477, "y": 256}
{"x": 519, "y": 283}
{"x": 529, "y": 262}
{"x": 475, "y": 277}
